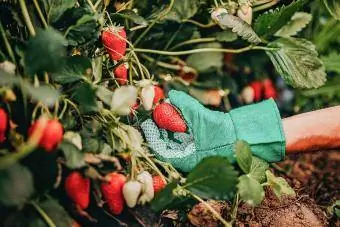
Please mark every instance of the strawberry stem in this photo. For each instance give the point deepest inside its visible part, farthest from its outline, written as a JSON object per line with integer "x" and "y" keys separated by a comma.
{"x": 209, "y": 25}
{"x": 204, "y": 50}
{"x": 193, "y": 41}
{"x": 27, "y": 18}
{"x": 37, "y": 7}
{"x": 46, "y": 218}
{"x": 6, "y": 42}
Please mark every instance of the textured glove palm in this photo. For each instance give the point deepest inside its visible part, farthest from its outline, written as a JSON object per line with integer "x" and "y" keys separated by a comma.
{"x": 214, "y": 133}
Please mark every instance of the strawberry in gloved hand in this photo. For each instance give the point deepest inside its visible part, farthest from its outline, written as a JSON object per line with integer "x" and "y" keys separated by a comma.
{"x": 214, "y": 133}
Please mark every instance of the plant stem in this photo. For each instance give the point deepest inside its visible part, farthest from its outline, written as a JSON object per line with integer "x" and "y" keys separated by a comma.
{"x": 265, "y": 6}
{"x": 8, "y": 46}
{"x": 37, "y": 7}
{"x": 46, "y": 218}
{"x": 209, "y": 25}
{"x": 203, "y": 50}
{"x": 193, "y": 41}
{"x": 27, "y": 18}
{"x": 92, "y": 6}
{"x": 210, "y": 208}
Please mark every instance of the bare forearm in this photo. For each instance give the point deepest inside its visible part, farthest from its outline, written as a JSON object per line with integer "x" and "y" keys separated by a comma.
{"x": 316, "y": 130}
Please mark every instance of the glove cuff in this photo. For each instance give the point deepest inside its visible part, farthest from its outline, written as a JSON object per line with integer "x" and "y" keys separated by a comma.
{"x": 261, "y": 126}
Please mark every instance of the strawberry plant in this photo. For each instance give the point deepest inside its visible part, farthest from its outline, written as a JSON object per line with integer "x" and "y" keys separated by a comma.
{"x": 78, "y": 77}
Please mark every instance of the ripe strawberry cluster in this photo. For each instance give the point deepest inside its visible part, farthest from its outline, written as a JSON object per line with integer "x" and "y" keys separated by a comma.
{"x": 258, "y": 90}
{"x": 117, "y": 190}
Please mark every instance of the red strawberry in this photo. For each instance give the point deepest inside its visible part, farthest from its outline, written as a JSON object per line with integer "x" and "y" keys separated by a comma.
{"x": 167, "y": 117}
{"x": 77, "y": 188}
{"x": 121, "y": 74}
{"x": 114, "y": 40}
{"x": 3, "y": 124}
{"x": 257, "y": 86}
{"x": 269, "y": 89}
{"x": 158, "y": 183}
{"x": 113, "y": 192}
{"x": 51, "y": 136}
{"x": 159, "y": 94}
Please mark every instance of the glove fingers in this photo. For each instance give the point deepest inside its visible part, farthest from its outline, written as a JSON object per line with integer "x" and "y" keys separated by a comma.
{"x": 188, "y": 106}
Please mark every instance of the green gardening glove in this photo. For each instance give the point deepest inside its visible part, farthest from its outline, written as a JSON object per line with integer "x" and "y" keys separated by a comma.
{"x": 212, "y": 133}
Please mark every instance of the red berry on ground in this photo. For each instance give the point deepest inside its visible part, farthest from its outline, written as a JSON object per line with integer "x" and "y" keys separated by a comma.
{"x": 121, "y": 74}
{"x": 3, "y": 125}
{"x": 269, "y": 89}
{"x": 52, "y": 134}
{"x": 159, "y": 94}
{"x": 167, "y": 117}
{"x": 113, "y": 192}
{"x": 114, "y": 40}
{"x": 158, "y": 183}
{"x": 77, "y": 188}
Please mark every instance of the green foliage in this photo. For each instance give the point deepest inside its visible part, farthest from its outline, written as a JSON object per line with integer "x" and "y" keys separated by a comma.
{"x": 239, "y": 27}
{"x": 85, "y": 95}
{"x": 332, "y": 62}
{"x": 73, "y": 70}
{"x": 225, "y": 36}
{"x": 250, "y": 190}
{"x": 206, "y": 62}
{"x": 298, "y": 21}
{"x": 296, "y": 60}
{"x": 270, "y": 22}
{"x": 130, "y": 15}
{"x": 74, "y": 158}
{"x": 243, "y": 155}
{"x": 258, "y": 169}
{"x": 333, "y": 7}
{"x": 279, "y": 185}
{"x": 56, "y": 8}
{"x": 182, "y": 10}
{"x": 16, "y": 185}
{"x": 46, "y": 59}
{"x": 212, "y": 178}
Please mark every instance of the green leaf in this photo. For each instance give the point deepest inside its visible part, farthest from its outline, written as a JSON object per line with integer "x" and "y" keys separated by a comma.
{"x": 258, "y": 169}
{"x": 182, "y": 10}
{"x": 131, "y": 15}
{"x": 213, "y": 178}
{"x": 45, "y": 52}
{"x": 243, "y": 155}
{"x": 250, "y": 190}
{"x": 205, "y": 62}
{"x": 57, "y": 8}
{"x": 43, "y": 93}
{"x": 279, "y": 185}
{"x": 73, "y": 70}
{"x": 239, "y": 27}
{"x": 296, "y": 60}
{"x": 85, "y": 29}
{"x": 225, "y": 36}
{"x": 333, "y": 7}
{"x": 271, "y": 21}
{"x": 16, "y": 185}
{"x": 85, "y": 95}
{"x": 298, "y": 21}
{"x": 166, "y": 199}
{"x": 332, "y": 62}
{"x": 73, "y": 156}
{"x": 97, "y": 69}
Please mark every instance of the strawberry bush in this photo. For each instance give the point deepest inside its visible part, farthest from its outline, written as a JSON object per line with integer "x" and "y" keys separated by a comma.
{"x": 77, "y": 78}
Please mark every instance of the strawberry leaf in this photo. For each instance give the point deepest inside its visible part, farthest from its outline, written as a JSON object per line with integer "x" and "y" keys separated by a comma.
{"x": 213, "y": 178}
{"x": 131, "y": 15}
{"x": 240, "y": 27}
{"x": 73, "y": 156}
{"x": 250, "y": 190}
{"x": 333, "y": 7}
{"x": 332, "y": 62}
{"x": 298, "y": 21}
{"x": 296, "y": 60}
{"x": 56, "y": 8}
{"x": 85, "y": 95}
{"x": 258, "y": 169}
{"x": 205, "y": 62}
{"x": 225, "y": 36}
{"x": 279, "y": 185}
{"x": 271, "y": 21}
{"x": 243, "y": 155}
{"x": 16, "y": 185}
{"x": 182, "y": 10}
{"x": 48, "y": 59}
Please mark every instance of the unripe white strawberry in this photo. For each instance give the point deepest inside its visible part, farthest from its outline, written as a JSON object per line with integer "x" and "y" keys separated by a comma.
{"x": 147, "y": 96}
{"x": 247, "y": 95}
{"x": 131, "y": 192}
{"x": 148, "y": 192}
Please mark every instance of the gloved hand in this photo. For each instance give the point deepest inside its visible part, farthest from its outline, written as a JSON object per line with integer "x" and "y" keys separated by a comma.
{"x": 214, "y": 133}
